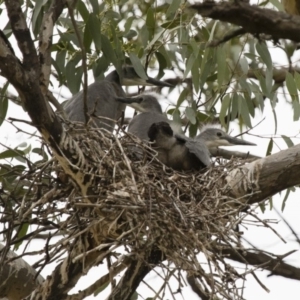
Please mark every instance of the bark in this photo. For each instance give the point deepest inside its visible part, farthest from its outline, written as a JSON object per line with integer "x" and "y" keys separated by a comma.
{"x": 17, "y": 278}
{"x": 265, "y": 177}
{"x": 252, "y": 18}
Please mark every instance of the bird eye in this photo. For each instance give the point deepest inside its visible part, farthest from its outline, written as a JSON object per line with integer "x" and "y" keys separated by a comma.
{"x": 219, "y": 134}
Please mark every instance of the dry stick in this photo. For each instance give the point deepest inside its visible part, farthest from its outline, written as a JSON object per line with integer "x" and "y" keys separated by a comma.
{"x": 267, "y": 225}
{"x": 260, "y": 283}
{"x": 288, "y": 225}
{"x": 97, "y": 284}
{"x": 129, "y": 168}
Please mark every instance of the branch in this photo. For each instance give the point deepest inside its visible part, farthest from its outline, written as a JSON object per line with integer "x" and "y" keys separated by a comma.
{"x": 265, "y": 177}
{"x": 22, "y": 35}
{"x": 229, "y": 154}
{"x": 17, "y": 278}
{"x": 252, "y": 18}
{"x": 275, "y": 265}
{"x": 45, "y": 44}
{"x": 134, "y": 275}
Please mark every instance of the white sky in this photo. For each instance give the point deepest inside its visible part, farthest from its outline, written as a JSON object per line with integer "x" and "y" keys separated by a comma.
{"x": 280, "y": 287}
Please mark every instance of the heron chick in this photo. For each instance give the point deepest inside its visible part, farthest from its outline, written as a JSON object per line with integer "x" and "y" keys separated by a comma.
{"x": 183, "y": 153}
{"x": 150, "y": 113}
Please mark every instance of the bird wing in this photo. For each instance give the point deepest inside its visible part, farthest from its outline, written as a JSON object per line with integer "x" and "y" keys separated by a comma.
{"x": 196, "y": 147}
{"x": 141, "y": 123}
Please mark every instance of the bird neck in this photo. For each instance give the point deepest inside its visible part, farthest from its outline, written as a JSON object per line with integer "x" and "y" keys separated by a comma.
{"x": 113, "y": 77}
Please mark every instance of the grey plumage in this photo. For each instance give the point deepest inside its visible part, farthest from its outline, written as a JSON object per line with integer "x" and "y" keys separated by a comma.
{"x": 150, "y": 112}
{"x": 178, "y": 151}
{"x": 101, "y": 98}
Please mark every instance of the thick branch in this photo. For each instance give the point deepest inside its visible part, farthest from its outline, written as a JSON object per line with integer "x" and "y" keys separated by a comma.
{"x": 275, "y": 265}
{"x": 135, "y": 273}
{"x": 252, "y": 18}
{"x": 45, "y": 44}
{"x": 229, "y": 154}
{"x": 265, "y": 177}
{"x": 22, "y": 34}
{"x": 17, "y": 278}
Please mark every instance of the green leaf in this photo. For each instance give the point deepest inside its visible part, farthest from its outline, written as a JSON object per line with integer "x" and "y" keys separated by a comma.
{"x": 173, "y": 8}
{"x": 190, "y": 114}
{"x": 3, "y": 102}
{"x": 71, "y": 76}
{"x": 21, "y": 233}
{"x": 87, "y": 36}
{"x": 81, "y": 6}
{"x": 244, "y": 65}
{"x": 182, "y": 97}
{"x": 157, "y": 36}
{"x": 95, "y": 6}
{"x": 297, "y": 79}
{"x": 224, "y": 108}
{"x": 296, "y": 109}
{"x": 291, "y": 86}
{"x": 206, "y": 71}
{"x": 264, "y": 53}
{"x": 108, "y": 50}
{"x": 171, "y": 24}
{"x": 221, "y": 65}
{"x": 136, "y": 63}
{"x": 101, "y": 288}
{"x": 134, "y": 296}
{"x": 11, "y": 153}
{"x": 150, "y": 22}
{"x": 189, "y": 65}
{"x": 37, "y": 14}
{"x": 288, "y": 141}
{"x": 128, "y": 24}
{"x": 277, "y": 4}
{"x": 162, "y": 62}
{"x": 196, "y": 75}
{"x": 234, "y": 107}
{"x": 94, "y": 25}
{"x": 270, "y": 147}
{"x": 244, "y": 111}
{"x": 288, "y": 191}
{"x": 262, "y": 82}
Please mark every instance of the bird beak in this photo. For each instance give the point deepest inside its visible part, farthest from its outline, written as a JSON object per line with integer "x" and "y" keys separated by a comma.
{"x": 152, "y": 81}
{"x": 232, "y": 141}
{"x": 132, "y": 102}
{"x": 145, "y": 82}
{"x": 129, "y": 100}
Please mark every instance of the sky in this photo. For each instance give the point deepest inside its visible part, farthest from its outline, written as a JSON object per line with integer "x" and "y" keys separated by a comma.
{"x": 258, "y": 236}
{"x": 279, "y": 287}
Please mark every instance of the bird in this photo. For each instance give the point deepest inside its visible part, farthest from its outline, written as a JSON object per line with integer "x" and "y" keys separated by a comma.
{"x": 183, "y": 153}
{"x": 176, "y": 151}
{"x": 101, "y": 98}
{"x": 213, "y": 137}
{"x": 150, "y": 112}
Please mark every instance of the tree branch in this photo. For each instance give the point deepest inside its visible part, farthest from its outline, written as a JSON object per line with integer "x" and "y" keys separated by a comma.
{"x": 252, "y": 18}
{"x": 265, "y": 177}
{"x": 275, "y": 265}
{"x": 17, "y": 278}
{"x": 45, "y": 41}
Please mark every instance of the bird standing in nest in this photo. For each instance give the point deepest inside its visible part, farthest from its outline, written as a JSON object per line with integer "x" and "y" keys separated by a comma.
{"x": 101, "y": 98}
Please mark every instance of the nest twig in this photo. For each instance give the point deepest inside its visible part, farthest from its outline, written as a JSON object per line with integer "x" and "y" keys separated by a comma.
{"x": 134, "y": 201}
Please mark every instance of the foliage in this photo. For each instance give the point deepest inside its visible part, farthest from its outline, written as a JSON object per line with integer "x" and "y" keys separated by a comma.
{"x": 230, "y": 82}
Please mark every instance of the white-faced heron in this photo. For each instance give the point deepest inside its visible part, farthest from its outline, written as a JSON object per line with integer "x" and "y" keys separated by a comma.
{"x": 150, "y": 112}
{"x": 101, "y": 98}
{"x": 183, "y": 153}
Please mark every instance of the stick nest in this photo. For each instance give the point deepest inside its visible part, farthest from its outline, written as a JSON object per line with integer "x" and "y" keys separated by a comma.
{"x": 133, "y": 202}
